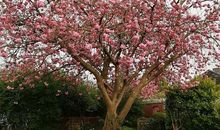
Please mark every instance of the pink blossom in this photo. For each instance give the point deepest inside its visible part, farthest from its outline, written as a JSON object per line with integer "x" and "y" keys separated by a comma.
{"x": 105, "y": 36}
{"x": 52, "y": 23}
{"x": 40, "y": 4}
{"x": 142, "y": 58}
{"x": 4, "y": 54}
{"x": 109, "y": 31}
{"x": 44, "y": 18}
{"x": 56, "y": 60}
{"x": 59, "y": 10}
{"x": 1, "y": 28}
{"x": 136, "y": 37}
{"x": 37, "y": 26}
{"x": 44, "y": 36}
{"x": 113, "y": 1}
{"x": 142, "y": 46}
{"x": 193, "y": 28}
{"x": 149, "y": 43}
{"x": 66, "y": 93}
{"x": 76, "y": 34}
{"x": 123, "y": 46}
{"x": 126, "y": 61}
{"x": 97, "y": 26}
{"x": 88, "y": 46}
{"x": 3, "y": 18}
{"x": 18, "y": 40}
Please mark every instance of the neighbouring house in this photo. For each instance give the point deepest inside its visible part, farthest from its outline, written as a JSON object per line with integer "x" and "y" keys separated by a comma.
{"x": 214, "y": 74}
{"x": 152, "y": 106}
{"x": 157, "y": 105}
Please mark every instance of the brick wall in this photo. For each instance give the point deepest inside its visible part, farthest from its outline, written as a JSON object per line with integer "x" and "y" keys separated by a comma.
{"x": 151, "y": 108}
{"x": 74, "y": 123}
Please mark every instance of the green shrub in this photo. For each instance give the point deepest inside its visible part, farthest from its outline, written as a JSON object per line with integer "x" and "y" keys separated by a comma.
{"x": 79, "y": 102}
{"x": 32, "y": 108}
{"x": 135, "y": 113}
{"x": 127, "y": 128}
{"x": 44, "y": 106}
{"x": 157, "y": 122}
{"x": 193, "y": 109}
{"x": 93, "y": 126}
{"x": 49, "y": 101}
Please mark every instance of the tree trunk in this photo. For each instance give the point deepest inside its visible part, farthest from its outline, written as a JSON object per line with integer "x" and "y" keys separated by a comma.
{"x": 175, "y": 127}
{"x": 111, "y": 121}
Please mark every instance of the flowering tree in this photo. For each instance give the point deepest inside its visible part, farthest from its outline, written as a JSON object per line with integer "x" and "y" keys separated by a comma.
{"x": 127, "y": 45}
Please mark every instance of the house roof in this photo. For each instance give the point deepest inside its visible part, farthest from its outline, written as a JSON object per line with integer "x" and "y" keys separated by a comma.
{"x": 214, "y": 74}
{"x": 154, "y": 101}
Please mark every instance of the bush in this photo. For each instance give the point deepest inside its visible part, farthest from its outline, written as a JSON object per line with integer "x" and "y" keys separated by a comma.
{"x": 44, "y": 105}
{"x": 157, "y": 122}
{"x": 93, "y": 126}
{"x": 27, "y": 107}
{"x": 192, "y": 109}
{"x": 127, "y": 128}
{"x": 80, "y": 102}
{"x": 135, "y": 113}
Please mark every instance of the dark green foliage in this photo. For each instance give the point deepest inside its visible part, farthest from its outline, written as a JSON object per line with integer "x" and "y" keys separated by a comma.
{"x": 44, "y": 106}
{"x": 157, "y": 122}
{"x": 32, "y": 108}
{"x": 192, "y": 109}
{"x": 135, "y": 113}
{"x": 80, "y": 102}
{"x": 127, "y": 128}
{"x": 93, "y": 126}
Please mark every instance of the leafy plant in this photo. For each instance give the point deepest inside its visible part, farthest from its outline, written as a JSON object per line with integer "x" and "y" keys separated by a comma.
{"x": 135, "y": 113}
{"x": 80, "y": 101}
{"x": 44, "y": 104}
{"x": 193, "y": 109}
{"x": 127, "y": 128}
{"x": 25, "y": 106}
{"x": 157, "y": 122}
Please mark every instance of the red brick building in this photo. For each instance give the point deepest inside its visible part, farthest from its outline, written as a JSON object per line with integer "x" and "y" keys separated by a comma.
{"x": 152, "y": 106}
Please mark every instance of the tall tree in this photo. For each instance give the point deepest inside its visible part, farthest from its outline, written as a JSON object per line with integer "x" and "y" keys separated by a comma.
{"x": 127, "y": 45}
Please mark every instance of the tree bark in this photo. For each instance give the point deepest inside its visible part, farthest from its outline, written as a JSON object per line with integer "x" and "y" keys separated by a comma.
{"x": 111, "y": 120}
{"x": 175, "y": 127}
